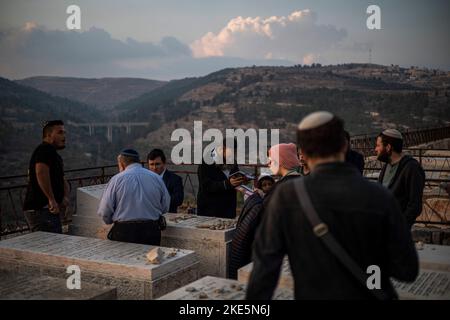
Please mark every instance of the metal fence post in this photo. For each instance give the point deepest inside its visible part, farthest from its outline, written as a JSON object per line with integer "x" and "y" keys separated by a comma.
{"x": 103, "y": 175}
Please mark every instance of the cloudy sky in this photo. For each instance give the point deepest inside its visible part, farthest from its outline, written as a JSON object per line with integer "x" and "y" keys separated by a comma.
{"x": 168, "y": 39}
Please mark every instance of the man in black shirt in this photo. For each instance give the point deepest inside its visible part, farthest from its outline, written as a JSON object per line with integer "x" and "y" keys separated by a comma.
{"x": 364, "y": 218}
{"x": 48, "y": 191}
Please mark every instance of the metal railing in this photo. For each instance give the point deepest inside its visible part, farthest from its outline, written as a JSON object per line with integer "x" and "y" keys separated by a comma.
{"x": 13, "y": 188}
{"x": 410, "y": 137}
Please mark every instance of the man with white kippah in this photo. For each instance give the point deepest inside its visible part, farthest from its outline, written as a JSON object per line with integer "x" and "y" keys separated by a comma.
{"x": 333, "y": 224}
{"x": 315, "y": 120}
{"x": 134, "y": 200}
{"x": 401, "y": 174}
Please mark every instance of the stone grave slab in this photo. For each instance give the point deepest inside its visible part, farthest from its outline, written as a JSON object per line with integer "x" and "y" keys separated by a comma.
{"x": 214, "y": 288}
{"x": 183, "y": 231}
{"x": 286, "y": 280}
{"x": 429, "y": 285}
{"x": 434, "y": 257}
{"x": 103, "y": 262}
{"x": 28, "y": 287}
{"x": 209, "y": 237}
{"x": 87, "y": 197}
{"x": 86, "y": 222}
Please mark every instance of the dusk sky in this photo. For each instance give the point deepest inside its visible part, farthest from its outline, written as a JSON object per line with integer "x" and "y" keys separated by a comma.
{"x": 175, "y": 39}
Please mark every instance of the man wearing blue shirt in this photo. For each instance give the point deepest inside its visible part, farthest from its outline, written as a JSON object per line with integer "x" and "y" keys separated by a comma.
{"x": 134, "y": 201}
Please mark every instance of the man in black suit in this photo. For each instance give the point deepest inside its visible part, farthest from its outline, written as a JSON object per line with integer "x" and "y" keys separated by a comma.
{"x": 353, "y": 157}
{"x": 217, "y": 194}
{"x": 156, "y": 160}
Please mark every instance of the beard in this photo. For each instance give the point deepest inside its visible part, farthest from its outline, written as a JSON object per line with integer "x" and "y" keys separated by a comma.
{"x": 385, "y": 157}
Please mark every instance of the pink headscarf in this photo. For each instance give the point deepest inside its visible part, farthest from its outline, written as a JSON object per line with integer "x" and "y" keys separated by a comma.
{"x": 286, "y": 155}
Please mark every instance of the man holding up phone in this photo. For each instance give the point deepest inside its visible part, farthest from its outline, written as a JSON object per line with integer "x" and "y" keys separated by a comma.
{"x": 217, "y": 194}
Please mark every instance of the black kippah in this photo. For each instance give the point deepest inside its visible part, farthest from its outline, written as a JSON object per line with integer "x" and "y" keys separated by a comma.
{"x": 130, "y": 153}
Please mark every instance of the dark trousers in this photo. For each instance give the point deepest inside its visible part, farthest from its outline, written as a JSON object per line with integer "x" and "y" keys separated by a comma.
{"x": 143, "y": 232}
{"x": 43, "y": 220}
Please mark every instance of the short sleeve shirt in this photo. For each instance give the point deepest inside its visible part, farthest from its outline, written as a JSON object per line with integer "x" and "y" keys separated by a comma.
{"x": 35, "y": 199}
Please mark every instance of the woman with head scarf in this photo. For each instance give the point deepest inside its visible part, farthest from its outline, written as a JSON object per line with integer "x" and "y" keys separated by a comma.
{"x": 241, "y": 246}
{"x": 284, "y": 162}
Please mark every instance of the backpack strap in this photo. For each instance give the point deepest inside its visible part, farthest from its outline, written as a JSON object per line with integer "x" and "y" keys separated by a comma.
{"x": 321, "y": 231}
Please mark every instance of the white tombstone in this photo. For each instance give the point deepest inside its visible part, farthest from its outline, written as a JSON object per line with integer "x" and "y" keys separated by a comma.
{"x": 35, "y": 287}
{"x": 209, "y": 237}
{"x": 103, "y": 262}
{"x": 285, "y": 281}
{"x": 433, "y": 281}
{"x": 213, "y": 288}
{"x": 429, "y": 285}
{"x": 86, "y": 222}
{"x": 434, "y": 257}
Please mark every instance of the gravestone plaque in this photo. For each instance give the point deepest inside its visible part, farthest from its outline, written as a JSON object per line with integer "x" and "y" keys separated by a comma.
{"x": 111, "y": 263}
{"x": 213, "y": 288}
{"x": 28, "y": 287}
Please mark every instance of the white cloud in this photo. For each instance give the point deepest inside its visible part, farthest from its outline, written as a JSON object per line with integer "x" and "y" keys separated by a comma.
{"x": 296, "y": 37}
{"x": 309, "y": 58}
{"x": 29, "y": 26}
{"x": 33, "y": 50}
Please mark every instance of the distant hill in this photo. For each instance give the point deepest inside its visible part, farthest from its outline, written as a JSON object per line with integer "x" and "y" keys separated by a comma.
{"x": 22, "y": 113}
{"x": 22, "y": 104}
{"x": 104, "y": 93}
{"x": 368, "y": 97}
{"x": 168, "y": 99}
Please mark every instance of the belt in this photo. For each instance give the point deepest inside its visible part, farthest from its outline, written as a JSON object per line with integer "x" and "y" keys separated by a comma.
{"x": 136, "y": 222}
{"x": 34, "y": 210}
